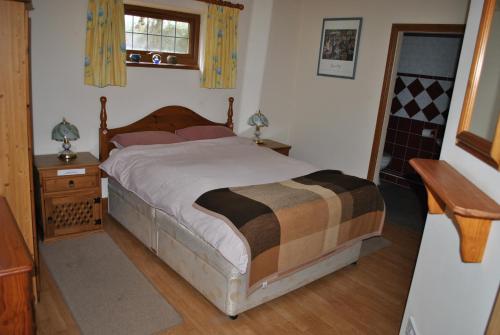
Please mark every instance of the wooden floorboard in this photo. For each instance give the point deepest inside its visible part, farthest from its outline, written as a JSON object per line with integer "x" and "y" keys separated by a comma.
{"x": 367, "y": 298}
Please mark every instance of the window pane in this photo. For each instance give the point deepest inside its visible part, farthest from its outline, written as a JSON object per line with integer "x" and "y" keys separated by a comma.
{"x": 128, "y": 39}
{"x": 182, "y": 45}
{"x": 140, "y": 25}
{"x": 154, "y": 43}
{"x": 182, "y": 29}
{"x": 140, "y": 41}
{"x": 168, "y": 28}
{"x": 154, "y": 26}
{"x": 128, "y": 22}
{"x": 167, "y": 44}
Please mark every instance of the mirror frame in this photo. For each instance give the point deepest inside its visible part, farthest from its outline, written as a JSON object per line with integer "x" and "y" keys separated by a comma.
{"x": 485, "y": 150}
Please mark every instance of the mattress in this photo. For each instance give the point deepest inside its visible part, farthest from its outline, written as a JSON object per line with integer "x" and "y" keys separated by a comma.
{"x": 170, "y": 177}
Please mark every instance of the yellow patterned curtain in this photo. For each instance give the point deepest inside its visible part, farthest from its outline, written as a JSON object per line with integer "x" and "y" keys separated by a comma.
{"x": 221, "y": 46}
{"x": 105, "y": 49}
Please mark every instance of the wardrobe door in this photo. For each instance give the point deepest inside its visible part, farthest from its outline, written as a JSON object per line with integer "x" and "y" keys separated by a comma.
{"x": 16, "y": 174}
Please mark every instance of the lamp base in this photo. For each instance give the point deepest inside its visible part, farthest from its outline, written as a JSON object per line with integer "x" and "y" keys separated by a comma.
{"x": 67, "y": 155}
{"x": 257, "y": 138}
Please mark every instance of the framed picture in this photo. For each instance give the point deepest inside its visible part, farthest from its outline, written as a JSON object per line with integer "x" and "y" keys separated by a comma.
{"x": 338, "y": 51}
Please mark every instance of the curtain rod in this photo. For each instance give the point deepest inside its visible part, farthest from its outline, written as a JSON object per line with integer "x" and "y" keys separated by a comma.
{"x": 224, "y": 3}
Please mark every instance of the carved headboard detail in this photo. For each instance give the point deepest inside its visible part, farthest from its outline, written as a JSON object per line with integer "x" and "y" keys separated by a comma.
{"x": 169, "y": 118}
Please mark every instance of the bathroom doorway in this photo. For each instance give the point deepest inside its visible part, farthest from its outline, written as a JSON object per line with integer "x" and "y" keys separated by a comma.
{"x": 418, "y": 84}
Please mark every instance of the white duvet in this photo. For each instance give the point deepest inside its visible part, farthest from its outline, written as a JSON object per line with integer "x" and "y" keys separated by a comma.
{"x": 172, "y": 176}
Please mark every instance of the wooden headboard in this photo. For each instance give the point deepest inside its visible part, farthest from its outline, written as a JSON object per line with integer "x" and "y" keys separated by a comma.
{"x": 169, "y": 118}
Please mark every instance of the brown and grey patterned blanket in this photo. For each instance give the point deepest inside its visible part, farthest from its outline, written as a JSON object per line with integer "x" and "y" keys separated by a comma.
{"x": 292, "y": 223}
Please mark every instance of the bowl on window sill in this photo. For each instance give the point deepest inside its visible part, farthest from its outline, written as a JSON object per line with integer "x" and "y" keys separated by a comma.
{"x": 135, "y": 57}
{"x": 156, "y": 58}
{"x": 171, "y": 59}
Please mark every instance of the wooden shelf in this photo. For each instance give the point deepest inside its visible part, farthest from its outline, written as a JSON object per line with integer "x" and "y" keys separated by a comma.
{"x": 470, "y": 208}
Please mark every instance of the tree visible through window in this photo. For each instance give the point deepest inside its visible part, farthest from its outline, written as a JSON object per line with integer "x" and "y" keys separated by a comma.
{"x": 151, "y": 30}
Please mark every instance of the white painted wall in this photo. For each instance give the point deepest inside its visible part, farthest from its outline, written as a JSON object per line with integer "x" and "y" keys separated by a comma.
{"x": 58, "y": 43}
{"x": 331, "y": 121}
{"x": 278, "y": 100}
{"x": 448, "y": 296}
{"x": 253, "y": 70}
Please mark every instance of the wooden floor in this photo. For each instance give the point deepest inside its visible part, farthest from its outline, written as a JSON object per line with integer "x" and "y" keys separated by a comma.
{"x": 367, "y": 298}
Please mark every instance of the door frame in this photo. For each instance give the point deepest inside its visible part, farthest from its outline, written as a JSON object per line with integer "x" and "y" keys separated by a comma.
{"x": 396, "y": 37}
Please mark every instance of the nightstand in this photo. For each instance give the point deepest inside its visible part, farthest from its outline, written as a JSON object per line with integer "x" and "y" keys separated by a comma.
{"x": 68, "y": 195}
{"x": 276, "y": 146}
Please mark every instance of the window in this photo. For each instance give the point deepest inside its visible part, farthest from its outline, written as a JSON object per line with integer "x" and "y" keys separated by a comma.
{"x": 151, "y": 31}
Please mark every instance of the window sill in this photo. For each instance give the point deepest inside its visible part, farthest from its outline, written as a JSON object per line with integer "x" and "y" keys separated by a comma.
{"x": 163, "y": 65}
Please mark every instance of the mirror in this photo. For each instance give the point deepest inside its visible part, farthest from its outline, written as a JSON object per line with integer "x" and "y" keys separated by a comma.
{"x": 479, "y": 128}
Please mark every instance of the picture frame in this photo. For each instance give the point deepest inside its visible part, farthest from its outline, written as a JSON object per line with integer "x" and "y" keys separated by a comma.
{"x": 338, "y": 52}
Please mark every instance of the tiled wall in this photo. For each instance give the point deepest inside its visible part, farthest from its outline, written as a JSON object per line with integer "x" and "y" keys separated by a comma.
{"x": 404, "y": 141}
{"x": 421, "y": 99}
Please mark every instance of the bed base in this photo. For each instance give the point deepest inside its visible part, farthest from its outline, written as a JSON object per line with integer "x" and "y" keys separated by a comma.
{"x": 202, "y": 265}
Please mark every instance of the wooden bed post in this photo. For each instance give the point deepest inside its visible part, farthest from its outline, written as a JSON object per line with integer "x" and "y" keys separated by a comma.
{"x": 103, "y": 129}
{"x": 229, "y": 122}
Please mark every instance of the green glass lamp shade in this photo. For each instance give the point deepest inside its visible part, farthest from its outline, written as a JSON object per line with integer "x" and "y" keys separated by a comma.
{"x": 258, "y": 120}
{"x": 65, "y": 132}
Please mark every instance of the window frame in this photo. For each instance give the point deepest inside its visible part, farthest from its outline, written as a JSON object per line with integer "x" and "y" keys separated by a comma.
{"x": 184, "y": 61}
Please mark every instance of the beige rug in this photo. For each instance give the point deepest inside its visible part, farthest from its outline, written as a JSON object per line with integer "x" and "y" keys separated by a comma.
{"x": 105, "y": 292}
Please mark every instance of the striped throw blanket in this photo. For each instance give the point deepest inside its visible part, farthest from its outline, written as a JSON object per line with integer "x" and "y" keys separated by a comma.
{"x": 292, "y": 223}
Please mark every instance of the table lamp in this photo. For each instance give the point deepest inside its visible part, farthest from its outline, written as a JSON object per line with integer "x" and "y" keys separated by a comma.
{"x": 65, "y": 132}
{"x": 258, "y": 120}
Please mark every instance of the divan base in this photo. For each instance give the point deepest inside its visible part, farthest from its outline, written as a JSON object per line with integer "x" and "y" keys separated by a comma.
{"x": 201, "y": 264}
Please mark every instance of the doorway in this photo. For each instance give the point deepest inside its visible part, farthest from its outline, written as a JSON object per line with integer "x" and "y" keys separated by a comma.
{"x": 418, "y": 84}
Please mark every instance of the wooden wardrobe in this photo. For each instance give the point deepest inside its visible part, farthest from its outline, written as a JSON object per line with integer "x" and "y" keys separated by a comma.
{"x": 16, "y": 174}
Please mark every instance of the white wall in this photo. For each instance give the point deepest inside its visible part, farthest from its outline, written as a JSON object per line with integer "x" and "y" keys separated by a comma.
{"x": 332, "y": 120}
{"x": 278, "y": 100}
{"x": 448, "y": 296}
{"x": 58, "y": 43}
{"x": 253, "y": 71}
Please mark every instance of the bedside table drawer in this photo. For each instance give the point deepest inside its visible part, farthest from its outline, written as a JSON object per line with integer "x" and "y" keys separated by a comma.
{"x": 59, "y": 172}
{"x": 70, "y": 183}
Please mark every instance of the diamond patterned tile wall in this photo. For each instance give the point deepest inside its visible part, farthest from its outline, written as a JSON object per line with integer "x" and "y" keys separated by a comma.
{"x": 422, "y": 98}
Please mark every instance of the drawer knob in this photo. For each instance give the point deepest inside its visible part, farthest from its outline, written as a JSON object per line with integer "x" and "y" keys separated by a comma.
{"x": 71, "y": 183}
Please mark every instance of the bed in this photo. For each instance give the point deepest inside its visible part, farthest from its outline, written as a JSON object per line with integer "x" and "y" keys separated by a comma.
{"x": 193, "y": 239}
